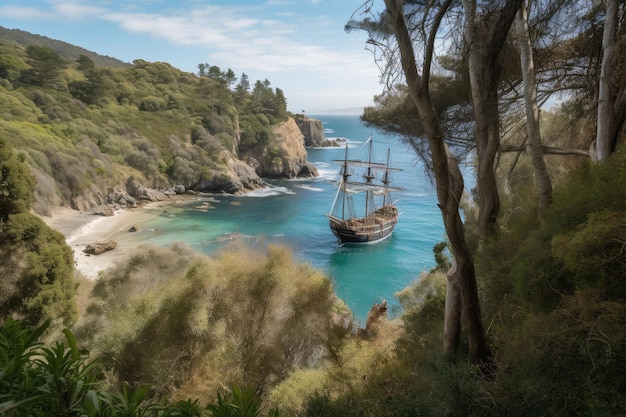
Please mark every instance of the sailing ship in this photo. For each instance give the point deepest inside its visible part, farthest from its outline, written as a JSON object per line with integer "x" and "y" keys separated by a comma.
{"x": 378, "y": 214}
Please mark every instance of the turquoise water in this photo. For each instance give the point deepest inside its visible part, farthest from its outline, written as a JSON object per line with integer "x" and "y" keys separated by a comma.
{"x": 293, "y": 212}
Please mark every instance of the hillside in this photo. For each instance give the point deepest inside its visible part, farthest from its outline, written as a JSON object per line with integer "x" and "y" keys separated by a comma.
{"x": 116, "y": 134}
{"x": 67, "y": 51}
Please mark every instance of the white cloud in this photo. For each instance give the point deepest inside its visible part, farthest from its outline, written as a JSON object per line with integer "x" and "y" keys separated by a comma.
{"x": 24, "y": 13}
{"x": 240, "y": 40}
{"x": 298, "y": 45}
{"x": 77, "y": 11}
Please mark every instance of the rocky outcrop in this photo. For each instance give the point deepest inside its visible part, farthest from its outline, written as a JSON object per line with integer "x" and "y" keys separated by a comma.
{"x": 100, "y": 246}
{"x": 312, "y": 130}
{"x": 87, "y": 199}
{"x": 104, "y": 210}
{"x": 286, "y": 157}
{"x": 238, "y": 177}
{"x": 120, "y": 197}
{"x": 377, "y": 313}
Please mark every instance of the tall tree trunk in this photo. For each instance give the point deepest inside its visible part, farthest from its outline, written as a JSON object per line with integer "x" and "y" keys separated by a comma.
{"x": 535, "y": 145}
{"x": 460, "y": 302}
{"x": 485, "y": 35}
{"x": 606, "y": 136}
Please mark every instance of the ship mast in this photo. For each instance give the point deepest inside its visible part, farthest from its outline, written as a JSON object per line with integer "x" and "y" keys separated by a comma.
{"x": 386, "y": 178}
{"x": 368, "y": 180}
{"x": 344, "y": 175}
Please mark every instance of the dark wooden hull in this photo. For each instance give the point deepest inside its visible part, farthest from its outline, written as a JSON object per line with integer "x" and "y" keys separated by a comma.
{"x": 373, "y": 228}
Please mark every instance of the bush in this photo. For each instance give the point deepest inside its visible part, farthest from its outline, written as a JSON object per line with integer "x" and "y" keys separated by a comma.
{"x": 38, "y": 275}
{"x": 17, "y": 184}
{"x": 187, "y": 324}
{"x": 37, "y": 380}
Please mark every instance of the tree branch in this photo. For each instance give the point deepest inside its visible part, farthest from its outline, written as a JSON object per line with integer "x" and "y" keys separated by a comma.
{"x": 546, "y": 149}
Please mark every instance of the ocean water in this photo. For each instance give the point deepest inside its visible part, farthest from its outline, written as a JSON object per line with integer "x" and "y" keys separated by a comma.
{"x": 292, "y": 212}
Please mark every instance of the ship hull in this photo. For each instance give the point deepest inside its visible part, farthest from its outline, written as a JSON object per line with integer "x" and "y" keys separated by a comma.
{"x": 373, "y": 228}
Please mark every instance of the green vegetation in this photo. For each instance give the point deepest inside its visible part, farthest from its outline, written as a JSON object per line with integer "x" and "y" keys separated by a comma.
{"x": 85, "y": 129}
{"x": 552, "y": 293}
{"x": 36, "y": 265}
{"x": 38, "y": 380}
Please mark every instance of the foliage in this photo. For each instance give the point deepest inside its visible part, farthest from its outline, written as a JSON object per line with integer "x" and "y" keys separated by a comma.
{"x": 16, "y": 184}
{"x": 45, "y": 67}
{"x": 580, "y": 209}
{"x": 85, "y": 129}
{"x": 187, "y": 324}
{"x": 38, "y": 380}
{"x": 36, "y": 271}
{"x": 239, "y": 402}
{"x": 355, "y": 365}
{"x": 553, "y": 299}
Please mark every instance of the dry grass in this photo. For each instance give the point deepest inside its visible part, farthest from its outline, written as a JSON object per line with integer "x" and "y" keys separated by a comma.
{"x": 188, "y": 324}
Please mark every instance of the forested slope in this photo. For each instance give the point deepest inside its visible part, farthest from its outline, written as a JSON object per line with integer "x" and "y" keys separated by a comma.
{"x": 96, "y": 135}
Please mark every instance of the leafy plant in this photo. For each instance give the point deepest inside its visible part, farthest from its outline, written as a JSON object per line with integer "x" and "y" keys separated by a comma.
{"x": 37, "y": 380}
{"x": 42, "y": 381}
{"x": 239, "y": 402}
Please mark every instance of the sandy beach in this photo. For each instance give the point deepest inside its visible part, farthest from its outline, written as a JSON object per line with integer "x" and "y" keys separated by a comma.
{"x": 83, "y": 228}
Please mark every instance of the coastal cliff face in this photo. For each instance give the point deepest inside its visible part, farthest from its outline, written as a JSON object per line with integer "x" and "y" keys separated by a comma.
{"x": 312, "y": 130}
{"x": 284, "y": 157}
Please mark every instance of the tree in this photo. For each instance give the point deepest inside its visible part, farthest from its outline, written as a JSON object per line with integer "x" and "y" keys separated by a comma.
{"x": 45, "y": 66}
{"x": 461, "y": 290}
{"x": 535, "y": 146}
{"x": 486, "y": 27}
{"x": 202, "y": 69}
{"x": 230, "y": 77}
{"x": 36, "y": 265}
{"x": 244, "y": 84}
{"x": 17, "y": 184}
{"x": 215, "y": 72}
{"x": 611, "y": 98}
{"x": 84, "y": 63}
{"x": 90, "y": 89}
{"x": 280, "y": 103}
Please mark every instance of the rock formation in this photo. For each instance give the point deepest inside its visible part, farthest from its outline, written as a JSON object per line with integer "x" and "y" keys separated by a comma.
{"x": 286, "y": 157}
{"x": 100, "y": 246}
{"x": 377, "y": 313}
{"x": 312, "y": 130}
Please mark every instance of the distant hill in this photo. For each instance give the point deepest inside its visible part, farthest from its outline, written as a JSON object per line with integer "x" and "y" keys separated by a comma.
{"x": 68, "y": 51}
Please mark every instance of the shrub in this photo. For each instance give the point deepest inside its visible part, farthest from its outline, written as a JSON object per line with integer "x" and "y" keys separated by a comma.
{"x": 190, "y": 326}
{"x": 37, "y": 380}
{"x": 17, "y": 184}
{"x": 38, "y": 277}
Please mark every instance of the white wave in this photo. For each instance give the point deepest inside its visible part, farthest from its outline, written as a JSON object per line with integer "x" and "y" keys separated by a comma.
{"x": 326, "y": 171}
{"x": 308, "y": 187}
{"x": 269, "y": 192}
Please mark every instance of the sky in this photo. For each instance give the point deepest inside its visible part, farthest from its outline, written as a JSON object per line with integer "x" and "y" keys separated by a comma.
{"x": 300, "y": 46}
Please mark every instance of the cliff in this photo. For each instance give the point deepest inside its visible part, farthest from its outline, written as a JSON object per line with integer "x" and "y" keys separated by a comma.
{"x": 312, "y": 130}
{"x": 286, "y": 157}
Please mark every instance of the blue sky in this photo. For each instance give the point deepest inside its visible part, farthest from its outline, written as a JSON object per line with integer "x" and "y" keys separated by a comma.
{"x": 300, "y": 46}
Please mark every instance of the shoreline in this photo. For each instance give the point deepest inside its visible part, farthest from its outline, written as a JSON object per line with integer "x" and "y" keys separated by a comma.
{"x": 83, "y": 228}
